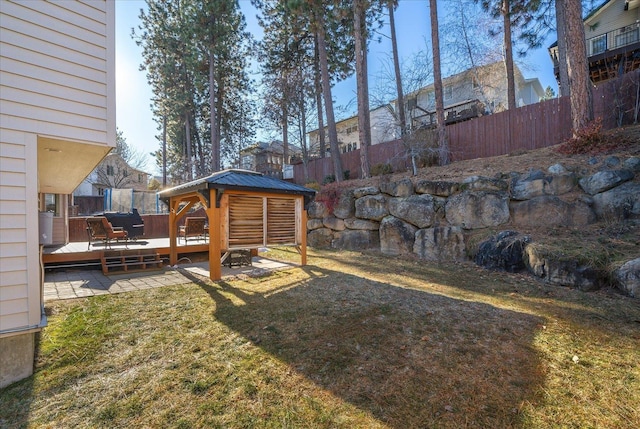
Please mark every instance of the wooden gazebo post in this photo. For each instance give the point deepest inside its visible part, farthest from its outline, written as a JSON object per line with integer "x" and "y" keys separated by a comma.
{"x": 213, "y": 214}
{"x": 174, "y": 202}
{"x": 303, "y": 236}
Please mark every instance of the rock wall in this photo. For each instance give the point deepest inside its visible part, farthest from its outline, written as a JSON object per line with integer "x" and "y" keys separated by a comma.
{"x": 432, "y": 219}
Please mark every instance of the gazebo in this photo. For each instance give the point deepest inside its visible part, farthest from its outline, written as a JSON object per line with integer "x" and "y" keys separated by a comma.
{"x": 245, "y": 210}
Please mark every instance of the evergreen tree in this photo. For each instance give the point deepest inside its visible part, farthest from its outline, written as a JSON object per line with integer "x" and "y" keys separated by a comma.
{"x": 443, "y": 146}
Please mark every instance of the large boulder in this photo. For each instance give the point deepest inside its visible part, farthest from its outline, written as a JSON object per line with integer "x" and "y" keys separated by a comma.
{"x": 401, "y": 188}
{"x": 472, "y": 210}
{"x": 621, "y": 202}
{"x": 503, "y": 251}
{"x": 480, "y": 183}
{"x": 320, "y": 238}
{"x": 317, "y": 210}
{"x": 333, "y": 223}
{"x": 314, "y": 224}
{"x": 604, "y": 180}
{"x": 527, "y": 188}
{"x": 437, "y": 187}
{"x": 440, "y": 244}
{"x": 345, "y": 207}
{"x": 368, "y": 190}
{"x": 551, "y": 211}
{"x": 557, "y": 270}
{"x": 628, "y": 278}
{"x": 418, "y": 210}
{"x": 372, "y": 207}
{"x": 356, "y": 239}
{"x": 396, "y": 236}
{"x": 632, "y": 164}
{"x": 355, "y": 223}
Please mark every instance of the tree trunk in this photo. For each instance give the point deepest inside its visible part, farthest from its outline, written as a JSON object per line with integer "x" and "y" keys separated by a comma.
{"x": 396, "y": 68}
{"x": 187, "y": 133}
{"x": 303, "y": 140}
{"x": 508, "y": 55}
{"x": 285, "y": 134}
{"x": 215, "y": 140}
{"x": 328, "y": 102}
{"x": 577, "y": 66}
{"x": 364, "y": 124}
{"x": 318, "y": 87}
{"x": 563, "y": 75}
{"x": 164, "y": 151}
{"x": 443, "y": 146}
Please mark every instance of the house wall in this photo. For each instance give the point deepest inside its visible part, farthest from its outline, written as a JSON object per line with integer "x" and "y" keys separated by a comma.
{"x": 57, "y": 79}
{"x": 611, "y": 17}
{"x": 383, "y": 128}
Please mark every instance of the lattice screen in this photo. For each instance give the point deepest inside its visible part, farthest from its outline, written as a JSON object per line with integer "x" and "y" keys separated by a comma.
{"x": 256, "y": 221}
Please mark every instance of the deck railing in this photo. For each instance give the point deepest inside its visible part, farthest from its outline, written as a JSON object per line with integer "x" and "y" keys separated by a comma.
{"x": 615, "y": 39}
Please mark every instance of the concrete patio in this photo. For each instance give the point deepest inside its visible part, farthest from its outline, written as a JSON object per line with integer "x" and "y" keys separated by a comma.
{"x": 70, "y": 284}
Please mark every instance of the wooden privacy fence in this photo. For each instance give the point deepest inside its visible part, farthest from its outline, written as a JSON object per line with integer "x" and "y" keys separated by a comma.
{"x": 530, "y": 127}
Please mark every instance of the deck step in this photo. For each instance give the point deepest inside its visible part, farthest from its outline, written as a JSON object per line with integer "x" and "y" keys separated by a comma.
{"x": 130, "y": 260}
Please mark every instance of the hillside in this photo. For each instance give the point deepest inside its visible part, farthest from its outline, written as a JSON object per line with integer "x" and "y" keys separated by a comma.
{"x": 604, "y": 245}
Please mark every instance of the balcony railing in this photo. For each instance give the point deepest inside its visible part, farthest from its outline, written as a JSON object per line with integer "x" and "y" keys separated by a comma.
{"x": 613, "y": 39}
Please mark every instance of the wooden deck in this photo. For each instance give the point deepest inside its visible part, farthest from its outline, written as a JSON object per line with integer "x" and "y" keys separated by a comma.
{"x": 76, "y": 254}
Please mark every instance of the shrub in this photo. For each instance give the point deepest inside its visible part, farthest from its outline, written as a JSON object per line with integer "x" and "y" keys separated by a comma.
{"x": 313, "y": 185}
{"x": 589, "y": 139}
{"x": 328, "y": 179}
{"x": 346, "y": 174}
{"x": 329, "y": 195}
{"x": 381, "y": 169}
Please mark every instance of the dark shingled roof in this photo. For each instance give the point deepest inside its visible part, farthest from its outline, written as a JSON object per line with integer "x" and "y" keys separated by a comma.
{"x": 240, "y": 180}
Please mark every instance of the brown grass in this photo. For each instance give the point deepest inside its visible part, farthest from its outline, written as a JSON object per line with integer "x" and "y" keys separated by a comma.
{"x": 351, "y": 340}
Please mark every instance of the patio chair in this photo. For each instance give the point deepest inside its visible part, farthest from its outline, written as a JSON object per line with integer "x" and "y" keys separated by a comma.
{"x": 194, "y": 227}
{"x": 99, "y": 228}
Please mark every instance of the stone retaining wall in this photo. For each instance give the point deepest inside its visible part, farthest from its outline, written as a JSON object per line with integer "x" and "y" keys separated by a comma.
{"x": 432, "y": 219}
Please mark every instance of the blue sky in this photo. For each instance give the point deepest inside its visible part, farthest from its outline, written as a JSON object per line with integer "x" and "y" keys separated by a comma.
{"x": 133, "y": 95}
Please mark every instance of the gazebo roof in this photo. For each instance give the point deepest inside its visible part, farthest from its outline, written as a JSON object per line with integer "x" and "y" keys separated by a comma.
{"x": 239, "y": 180}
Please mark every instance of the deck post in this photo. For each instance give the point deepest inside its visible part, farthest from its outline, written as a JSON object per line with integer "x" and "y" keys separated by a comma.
{"x": 213, "y": 214}
{"x": 173, "y": 230}
{"x": 303, "y": 238}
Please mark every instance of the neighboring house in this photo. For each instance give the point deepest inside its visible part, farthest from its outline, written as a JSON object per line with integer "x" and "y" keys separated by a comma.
{"x": 474, "y": 92}
{"x": 612, "y": 37}
{"x": 383, "y": 128}
{"x": 112, "y": 172}
{"x": 57, "y": 122}
{"x": 268, "y": 158}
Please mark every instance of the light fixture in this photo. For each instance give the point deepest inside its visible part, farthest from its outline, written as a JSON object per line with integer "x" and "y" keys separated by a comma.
{"x": 51, "y": 149}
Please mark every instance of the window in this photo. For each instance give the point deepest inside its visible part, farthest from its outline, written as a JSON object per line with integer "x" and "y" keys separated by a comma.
{"x": 52, "y": 204}
{"x": 448, "y": 92}
{"x": 627, "y": 36}
{"x": 110, "y": 170}
{"x": 598, "y": 44}
{"x": 139, "y": 178}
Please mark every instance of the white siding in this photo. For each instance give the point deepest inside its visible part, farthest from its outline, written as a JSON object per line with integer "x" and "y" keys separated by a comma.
{"x": 57, "y": 80}
{"x": 611, "y": 17}
{"x": 55, "y": 63}
{"x": 18, "y": 193}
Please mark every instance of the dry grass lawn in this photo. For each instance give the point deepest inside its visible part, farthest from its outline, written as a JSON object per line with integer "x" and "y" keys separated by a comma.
{"x": 352, "y": 340}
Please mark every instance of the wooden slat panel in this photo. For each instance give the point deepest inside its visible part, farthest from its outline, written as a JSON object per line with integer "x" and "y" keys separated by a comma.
{"x": 245, "y": 221}
{"x": 281, "y": 227}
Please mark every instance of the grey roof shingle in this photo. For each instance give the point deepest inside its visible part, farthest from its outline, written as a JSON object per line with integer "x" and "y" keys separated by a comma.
{"x": 240, "y": 180}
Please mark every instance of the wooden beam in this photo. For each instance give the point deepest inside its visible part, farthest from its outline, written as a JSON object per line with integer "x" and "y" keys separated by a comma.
{"x": 213, "y": 213}
{"x": 174, "y": 203}
{"x": 303, "y": 238}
